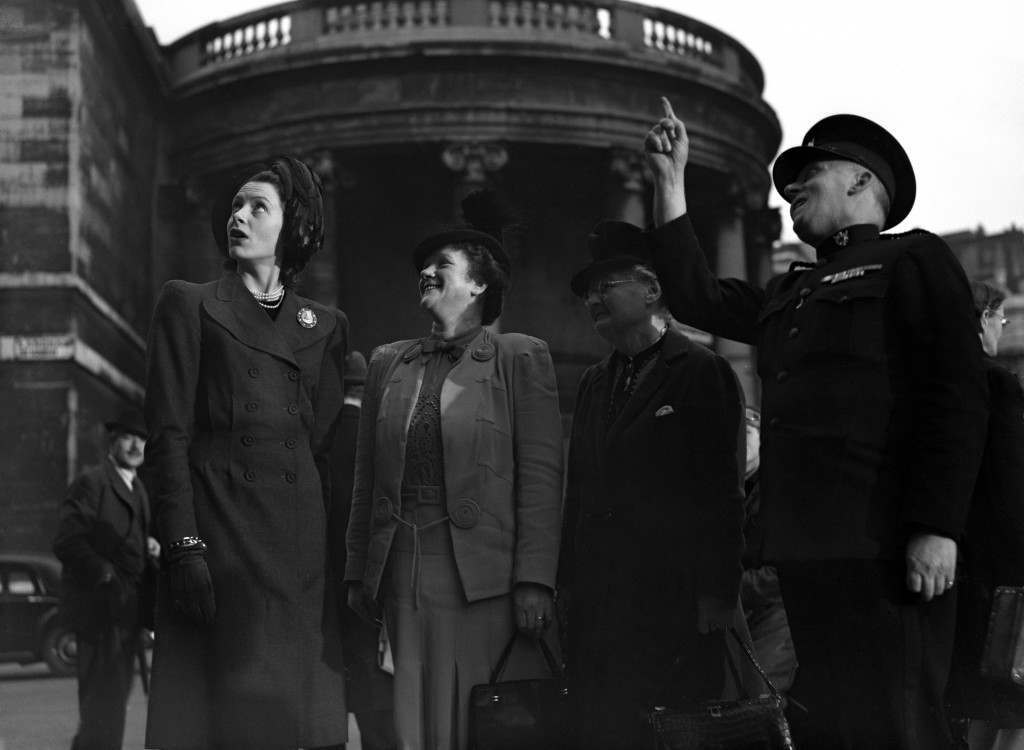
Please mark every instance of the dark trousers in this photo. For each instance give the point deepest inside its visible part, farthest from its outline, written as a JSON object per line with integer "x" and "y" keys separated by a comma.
{"x": 104, "y": 681}
{"x": 874, "y": 658}
{"x": 377, "y": 729}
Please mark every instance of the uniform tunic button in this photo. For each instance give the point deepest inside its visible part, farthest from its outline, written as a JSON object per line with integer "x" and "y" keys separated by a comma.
{"x": 292, "y": 375}
{"x": 794, "y": 332}
{"x": 252, "y": 406}
{"x": 248, "y": 440}
{"x": 254, "y": 372}
{"x": 293, "y": 409}
{"x": 250, "y": 475}
{"x": 781, "y": 375}
{"x": 289, "y": 477}
{"x": 290, "y": 443}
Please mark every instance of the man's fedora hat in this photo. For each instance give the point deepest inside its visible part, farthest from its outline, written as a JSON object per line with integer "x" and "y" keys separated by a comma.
{"x": 856, "y": 139}
{"x": 128, "y": 421}
{"x": 613, "y": 245}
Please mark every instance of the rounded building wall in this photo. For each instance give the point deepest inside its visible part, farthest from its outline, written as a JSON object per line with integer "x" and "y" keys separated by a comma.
{"x": 406, "y": 107}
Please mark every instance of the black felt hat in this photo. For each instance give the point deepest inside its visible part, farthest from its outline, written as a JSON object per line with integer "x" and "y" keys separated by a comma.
{"x": 485, "y": 217}
{"x": 857, "y": 139}
{"x": 613, "y": 245}
{"x": 128, "y": 421}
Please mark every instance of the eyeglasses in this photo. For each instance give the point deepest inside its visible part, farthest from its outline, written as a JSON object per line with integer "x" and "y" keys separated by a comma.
{"x": 601, "y": 288}
{"x": 992, "y": 313}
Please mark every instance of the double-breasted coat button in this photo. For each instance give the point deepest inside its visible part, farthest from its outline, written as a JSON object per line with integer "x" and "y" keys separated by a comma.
{"x": 794, "y": 332}
{"x": 290, "y": 443}
{"x": 254, "y": 372}
{"x": 805, "y": 292}
{"x": 252, "y": 406}
{"x": 465, "y": 514}
{"x": 289, "y": 477}
{"x": 249, "y": 475}
{"x": 293, "y": 375}
{"x": 773, "y": 422}
{"x": 382, "y": 509}
{"x": 248, "y": 440}
{"x": 781, "y": 375}
{"x": 293, "y": 409}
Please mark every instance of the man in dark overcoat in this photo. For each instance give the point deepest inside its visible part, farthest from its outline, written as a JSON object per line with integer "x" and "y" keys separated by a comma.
{"x": 368, "y": 688}
{"x": 874, "y": 409}
{"x": 103, "y": 541}
{"x": 653, "y": 536}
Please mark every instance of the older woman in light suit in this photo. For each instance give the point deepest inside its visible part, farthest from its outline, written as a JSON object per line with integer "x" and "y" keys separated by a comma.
{"x": 456, "y": 507}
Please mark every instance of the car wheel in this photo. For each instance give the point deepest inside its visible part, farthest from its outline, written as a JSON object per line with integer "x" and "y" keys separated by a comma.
{"x": 60, "y": 651}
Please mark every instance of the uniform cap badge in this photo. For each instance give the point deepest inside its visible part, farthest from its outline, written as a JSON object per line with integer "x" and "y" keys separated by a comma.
{"x": 306, "y": 317}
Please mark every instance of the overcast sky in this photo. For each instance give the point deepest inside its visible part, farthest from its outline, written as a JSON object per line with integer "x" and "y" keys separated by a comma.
{"x": 946, "y": 78}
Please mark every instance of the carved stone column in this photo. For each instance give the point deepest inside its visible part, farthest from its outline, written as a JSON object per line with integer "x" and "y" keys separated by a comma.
{"x": 626, "y": 189}
{"x": 473, "y": 161}
{"x": 732, "y": 263}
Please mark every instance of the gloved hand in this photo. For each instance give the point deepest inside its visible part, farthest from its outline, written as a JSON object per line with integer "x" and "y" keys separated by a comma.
{"x": 361, "y": 601}
{"x": 192, "y": 587}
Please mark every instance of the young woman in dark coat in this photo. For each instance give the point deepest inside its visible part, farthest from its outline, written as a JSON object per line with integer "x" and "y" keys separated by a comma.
{"x": 993, "y": 549}
{"x": 244, "y": 386}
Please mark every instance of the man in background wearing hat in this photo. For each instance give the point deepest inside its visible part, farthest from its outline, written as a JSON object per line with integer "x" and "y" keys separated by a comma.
{"x": 368, "y": 688}
{"x": 103, "y": 541}
{"x": 874, "y": 420}
{"x": 654, "y": 506}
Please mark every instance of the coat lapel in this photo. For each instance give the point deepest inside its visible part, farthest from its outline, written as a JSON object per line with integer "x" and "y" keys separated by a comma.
{"x": 398, "y": 395}
{"x": 296, "y": 335}
{"x": 120, "y": 488}
{"x": 674, "y": 346}
{"x": 236, "y": 310}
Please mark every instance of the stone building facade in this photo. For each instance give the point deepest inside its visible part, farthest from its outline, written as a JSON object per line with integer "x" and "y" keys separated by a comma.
{"x": 112, "y": 148}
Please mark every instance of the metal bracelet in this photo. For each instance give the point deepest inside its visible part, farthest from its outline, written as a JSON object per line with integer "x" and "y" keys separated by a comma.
{"x": 187, "y": 542}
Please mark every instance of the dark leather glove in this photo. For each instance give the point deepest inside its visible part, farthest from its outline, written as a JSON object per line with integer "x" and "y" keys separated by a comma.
{"x": 192, "y": 587}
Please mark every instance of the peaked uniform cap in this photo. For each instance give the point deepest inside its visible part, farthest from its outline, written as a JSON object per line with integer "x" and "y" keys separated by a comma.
{"x": 857, "y": 139}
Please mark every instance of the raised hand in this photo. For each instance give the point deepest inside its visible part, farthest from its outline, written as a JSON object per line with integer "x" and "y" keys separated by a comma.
{"x": 667, "y": 146}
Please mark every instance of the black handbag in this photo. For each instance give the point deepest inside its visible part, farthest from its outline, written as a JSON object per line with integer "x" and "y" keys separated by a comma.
{"x": 519, "y": 714}
{"x": 753, "y": 723}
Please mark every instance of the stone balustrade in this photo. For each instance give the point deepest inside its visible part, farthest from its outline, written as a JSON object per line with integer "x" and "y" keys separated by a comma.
{"x": 649, "y": 32}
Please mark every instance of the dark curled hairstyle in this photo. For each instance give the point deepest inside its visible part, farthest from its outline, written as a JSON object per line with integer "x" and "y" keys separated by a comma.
{"x": 302, "y": 230}
{"x": 986, "y": 297}
{"x": 484, "y": 269}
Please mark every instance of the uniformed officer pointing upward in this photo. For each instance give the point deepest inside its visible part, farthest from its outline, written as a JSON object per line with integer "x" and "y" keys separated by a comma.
{"x": 874, "y": 421}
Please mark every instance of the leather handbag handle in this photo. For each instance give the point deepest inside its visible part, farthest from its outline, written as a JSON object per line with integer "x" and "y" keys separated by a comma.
{"x": 739, "y": 683}
{"x": 553, "y": 665}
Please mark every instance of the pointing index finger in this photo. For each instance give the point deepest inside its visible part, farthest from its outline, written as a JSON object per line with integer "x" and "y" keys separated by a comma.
{"x": 666, "y": 107}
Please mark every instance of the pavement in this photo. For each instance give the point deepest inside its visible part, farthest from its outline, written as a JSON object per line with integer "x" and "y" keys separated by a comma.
{"x": 40, "y": 712}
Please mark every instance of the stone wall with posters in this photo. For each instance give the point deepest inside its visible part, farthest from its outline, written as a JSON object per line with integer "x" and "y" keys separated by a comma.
{"x": 80, "y": 107}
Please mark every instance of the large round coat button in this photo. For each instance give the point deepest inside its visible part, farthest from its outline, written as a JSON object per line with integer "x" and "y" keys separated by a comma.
{"x": 290, "y": 443}
{"x": 465, "y": 514}
{"x": 252, "y": 406}
{"x": 794, "y": 332}
{"x": 254, "y": 372}
{"x": 289, "y": 477}
{"x": 781, "y": 375}
{"x": 248, "y": 440}
{"x": 382, "y": 509}
{"x": 293, "y": 409}
{"x": 293, "y": 376}
{"x": 250, "y": 475}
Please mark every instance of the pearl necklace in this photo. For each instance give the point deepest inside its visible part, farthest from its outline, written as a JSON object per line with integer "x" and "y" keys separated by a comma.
{"x": 268, "y": 300}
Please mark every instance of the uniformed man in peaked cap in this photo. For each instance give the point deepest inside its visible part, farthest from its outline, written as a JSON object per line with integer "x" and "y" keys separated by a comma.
{"x": 873, "y": 407}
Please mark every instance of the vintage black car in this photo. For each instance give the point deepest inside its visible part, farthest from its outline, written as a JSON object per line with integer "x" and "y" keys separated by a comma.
{"x": 30, "y": 627}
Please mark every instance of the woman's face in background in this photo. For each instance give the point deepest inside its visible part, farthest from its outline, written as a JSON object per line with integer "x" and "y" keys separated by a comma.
{"x": 254, "y": 223}
{"x": 446, "y": 288}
